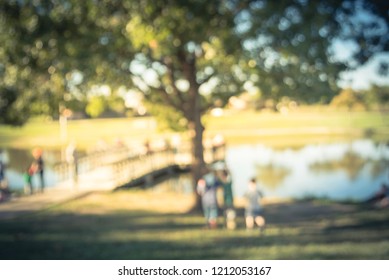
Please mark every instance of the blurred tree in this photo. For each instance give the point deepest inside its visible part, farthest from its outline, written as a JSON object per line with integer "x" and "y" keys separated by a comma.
{"x": 96, "y": 106}
{"x": 187, "y": 55}
{"x": 377, "y": 96}
{"x": 292, "y": 44}
{"x": 51, "y": 51}
{"x": 349, "y": 99}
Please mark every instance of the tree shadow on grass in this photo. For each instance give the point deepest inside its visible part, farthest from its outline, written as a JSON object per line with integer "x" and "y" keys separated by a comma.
{"x": 107, "y": 236}
{"x": 150, "y": 235}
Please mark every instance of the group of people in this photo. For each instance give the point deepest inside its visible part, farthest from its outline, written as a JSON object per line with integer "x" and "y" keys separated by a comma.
{"x": 207, "y": 187}
{"x": 36, "y": 167}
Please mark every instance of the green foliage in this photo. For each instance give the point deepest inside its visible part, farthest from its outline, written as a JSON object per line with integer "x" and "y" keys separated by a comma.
{"x": 10, "y": 107}
{"x": 349, "y": 99}
{"x": 45, "y": 43}
{"x": 96, "y": 106}
{"x": 116, "y": 104}
{"x": 377, "y": 96}
{"x": 185, "y": 43}
{"x": 372, "y": 98}
{"x": 281, "y": 47}
{"x": 167, "y": 117}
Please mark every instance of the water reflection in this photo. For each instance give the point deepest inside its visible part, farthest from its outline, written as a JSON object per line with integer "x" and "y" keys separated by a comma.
{"x": 272, "y": 175}
{"x": 352, "y": 164}
{"x": 181, "y": 183}
{"x": 339, "y": 171}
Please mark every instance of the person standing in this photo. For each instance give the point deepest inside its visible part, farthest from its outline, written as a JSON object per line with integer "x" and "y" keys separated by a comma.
{"x": 27, "y": 177}
{"x": 72, "y": 161}
{"x": 254, "y": 211}
{"x": 228, "y": 199}
{"x": 4, "y": 191}
{"x": 2, "y": 173}
{"x": 207, "y": 189}
{"x": 39, "y": 167}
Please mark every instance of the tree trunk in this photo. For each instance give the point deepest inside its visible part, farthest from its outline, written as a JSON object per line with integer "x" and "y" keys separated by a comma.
{"x": 193, "y": 112}
{"x": 198, "y": 164}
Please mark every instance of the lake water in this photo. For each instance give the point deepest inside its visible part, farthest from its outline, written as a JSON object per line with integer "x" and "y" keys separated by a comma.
{"x": 340, "y": 171}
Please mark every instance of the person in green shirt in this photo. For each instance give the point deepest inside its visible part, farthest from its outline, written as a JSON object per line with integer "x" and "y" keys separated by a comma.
{"x": 228, "y": 198}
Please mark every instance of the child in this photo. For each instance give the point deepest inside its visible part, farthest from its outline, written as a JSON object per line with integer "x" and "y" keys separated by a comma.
{"x": 27, "y": 176}
{"x": 253, "y": 211}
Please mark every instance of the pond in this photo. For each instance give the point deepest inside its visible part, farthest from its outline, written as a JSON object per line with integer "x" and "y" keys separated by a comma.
{"x": 18, "y": 160}
{"x": 338, "y": 171}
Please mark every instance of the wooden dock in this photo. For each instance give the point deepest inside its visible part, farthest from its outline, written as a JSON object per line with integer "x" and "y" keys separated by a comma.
{"x": 107, "y": 170}
{"x": 123, "y": 167}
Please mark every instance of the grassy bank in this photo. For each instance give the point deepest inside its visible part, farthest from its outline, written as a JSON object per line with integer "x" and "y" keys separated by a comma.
{"x": 139, "y": 224}
{"x": 305, "y": 125}
{"x": 42, "y": 132}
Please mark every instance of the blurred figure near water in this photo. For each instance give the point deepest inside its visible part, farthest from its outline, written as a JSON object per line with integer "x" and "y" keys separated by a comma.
{"x": 27, "y": 178}
{"x": 225, "y": 180}
{"x": 254, "y": 211}
{"x": 72, "y": 160}
{"x": 207, "y": 189}
{"x": 2, "y": 172}
{"x": 4, "y": 191}
{"x": 39, "y": 166}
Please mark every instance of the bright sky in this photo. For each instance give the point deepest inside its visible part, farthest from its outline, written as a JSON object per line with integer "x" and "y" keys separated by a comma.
{"x": 366, "y": 75}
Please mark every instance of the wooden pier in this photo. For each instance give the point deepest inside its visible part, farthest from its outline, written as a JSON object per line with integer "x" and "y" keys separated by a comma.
{"x": 111, "y": 169}
{"x": 123, "y": 167}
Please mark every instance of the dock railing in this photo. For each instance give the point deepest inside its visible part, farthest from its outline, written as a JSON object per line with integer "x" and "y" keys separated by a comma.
{"x": 124, "y": 165}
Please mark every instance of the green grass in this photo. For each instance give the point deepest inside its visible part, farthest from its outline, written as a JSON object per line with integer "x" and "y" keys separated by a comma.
{"x": 305, "y": 125}
{"x": 148, "y": 225}
{"x": 86, "y": 133}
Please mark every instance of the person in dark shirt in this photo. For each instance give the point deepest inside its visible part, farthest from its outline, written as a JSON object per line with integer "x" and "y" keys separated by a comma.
{"x": 39, "y": 167}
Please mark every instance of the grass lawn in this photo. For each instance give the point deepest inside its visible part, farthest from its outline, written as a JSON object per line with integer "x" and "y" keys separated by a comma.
{"x": 46, "y": 133}
{"x": 137, "y": 224}
{"x": 305, "y": 125}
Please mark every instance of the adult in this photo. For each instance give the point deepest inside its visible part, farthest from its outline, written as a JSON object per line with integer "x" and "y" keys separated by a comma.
{"x": 72, "y": 161}
{"x": 207, "y": 189}
{"x": 228, "y": 199}
{"x": 39, "y": 166}
{"x": 4, "y": 191}
{"x": 2, "y": 172}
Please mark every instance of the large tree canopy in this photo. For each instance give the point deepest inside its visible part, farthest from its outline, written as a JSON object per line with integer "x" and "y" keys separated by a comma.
{"x": 281, "y": 47}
